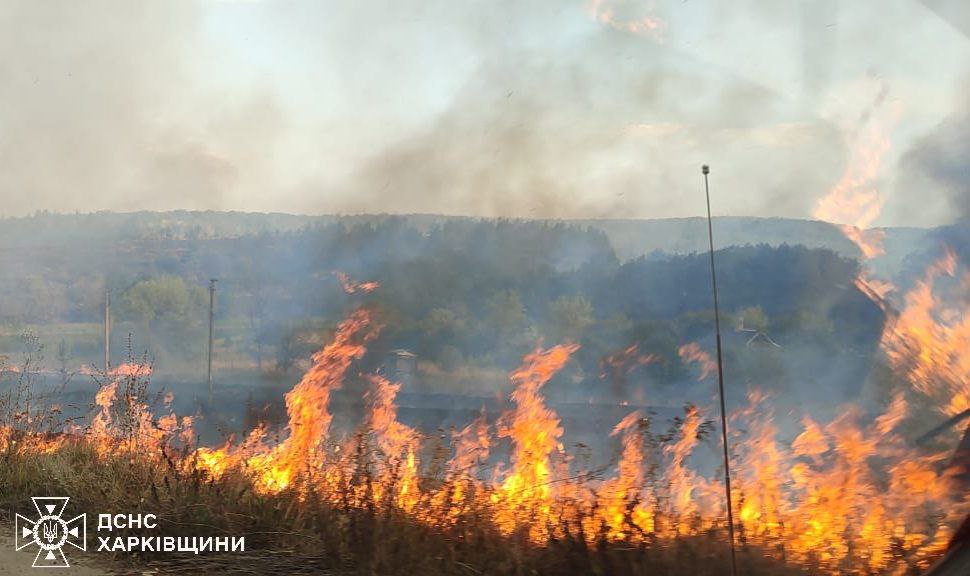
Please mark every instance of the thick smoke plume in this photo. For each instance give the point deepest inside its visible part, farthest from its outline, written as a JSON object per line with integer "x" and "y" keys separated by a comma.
{"x": 942, "y": 159}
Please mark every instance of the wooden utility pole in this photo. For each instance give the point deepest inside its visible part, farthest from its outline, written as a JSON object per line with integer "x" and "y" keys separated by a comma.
{"x": 107, "y": 330}
{"x": 212, "y": 299}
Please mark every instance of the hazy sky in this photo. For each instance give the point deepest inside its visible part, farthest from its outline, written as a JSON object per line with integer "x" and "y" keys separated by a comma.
{"x": 532, "y": 108}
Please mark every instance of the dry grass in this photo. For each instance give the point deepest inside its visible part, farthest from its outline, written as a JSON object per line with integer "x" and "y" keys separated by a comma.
{"x": 301, "y": 531}
{"x": 345, "y": 528}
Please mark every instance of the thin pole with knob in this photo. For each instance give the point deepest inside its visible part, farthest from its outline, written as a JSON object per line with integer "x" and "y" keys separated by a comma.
{"x": 720, "y": 378}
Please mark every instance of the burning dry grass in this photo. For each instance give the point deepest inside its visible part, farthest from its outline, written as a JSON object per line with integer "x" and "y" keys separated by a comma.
{"x": 847, "y": 497}
{"x": 929, "y": 343}
{"x": 367, "y": 511}
{"x": 338, "y": 535}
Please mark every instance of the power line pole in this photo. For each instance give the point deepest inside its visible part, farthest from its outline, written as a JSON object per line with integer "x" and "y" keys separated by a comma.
{"x": 212, "y": 299}
{"x": 107, "y": 330}
{"x": 720, "y": 379}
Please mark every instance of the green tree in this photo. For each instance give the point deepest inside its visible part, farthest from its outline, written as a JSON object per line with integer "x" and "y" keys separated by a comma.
{"x": 168, "y": 307}
{"x": 568, "y": 318}
{"x": 507, "y": 329}
{"x": 288, "y": 350}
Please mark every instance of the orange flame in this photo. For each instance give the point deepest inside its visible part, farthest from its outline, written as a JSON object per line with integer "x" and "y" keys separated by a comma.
{"x": 527, "y": 491}
{"x": 854, "y": 203}
{"x": 124, "y": 422}
{"x": 621, "y": 363}
{"x": 626, "y": 503}
{"x": 307, "y": 407}
{"x": 693, "y": 354}
{"x": 398, "y": 444}
{"x": 843, "y": 497}
{"x": 601, "y": 11}
{"x": 351, "y": 287}
{"x": 929, "y": 343}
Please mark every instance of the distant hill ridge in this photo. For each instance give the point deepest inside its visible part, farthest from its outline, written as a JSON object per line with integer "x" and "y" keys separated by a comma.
{"x": 630, "y": 238}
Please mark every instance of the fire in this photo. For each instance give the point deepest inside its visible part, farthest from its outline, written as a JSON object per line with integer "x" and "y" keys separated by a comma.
{"x": 682, "y": 482}
{"x": 351, "y": 287}
{"x": 471, "y": 446}
{"x": 396, "y": 442}
{"x": 840, "y": 501}
{"x": 526, "y": 494}
{"x": 307, "y": 404}
{"x": 929, "y": 342}
{"x": 131, "y": 370}
{"x": 693, "y": 354}
{"x": 846, "y": 496}
{"x": 621, "y": 363}
{"x": 14, "y": 441}
{"x": 761, "y": 464}
{"x": 124, "y": 422}
{"x": 601, "y": 11}
{"x": 616, "y": 367}
{"x": 854, "y": 203}
{"x": 875, "y": 289}
{"x": 626, "y": 501}
{"x": 309, "y": 416}
{"x": 100, "y": 429}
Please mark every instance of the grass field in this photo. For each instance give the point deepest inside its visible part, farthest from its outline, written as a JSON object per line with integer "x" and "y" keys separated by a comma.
{"x": 305, "y": 528}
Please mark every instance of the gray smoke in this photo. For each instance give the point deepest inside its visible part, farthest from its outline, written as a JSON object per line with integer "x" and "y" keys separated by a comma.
{"x": 614, "y": 125}
{"x": 483, "y": 108}
{"x": 942, "y": 159}
{"x": 99, "y": 108}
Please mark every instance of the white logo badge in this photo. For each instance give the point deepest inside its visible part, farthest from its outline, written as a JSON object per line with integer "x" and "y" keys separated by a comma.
{"x": 50, "y": 532}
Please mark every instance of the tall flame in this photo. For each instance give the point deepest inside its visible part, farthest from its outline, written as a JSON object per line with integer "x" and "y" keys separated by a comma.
{"x": 626, "y": 503}
{"x": 929, "y": 342}
{"x": 854, "y": 203}
{"x": 397, "y": 443}
{"x": 526, "y": 493}
{"x": 309, "y": 416}
{"x": 693, "y": 354}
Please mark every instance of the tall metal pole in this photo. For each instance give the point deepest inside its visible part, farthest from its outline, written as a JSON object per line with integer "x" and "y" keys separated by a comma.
{"x": 107, "y": 330}
{"x": 212, "y": 299}
{"x": 720, "y": 379}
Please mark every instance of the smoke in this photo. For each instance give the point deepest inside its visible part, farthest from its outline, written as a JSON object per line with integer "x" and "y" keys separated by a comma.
{"x": 101, "y": 108}
{"x": 600, "y": 108}
{"x": 935, "y": 181}
{"x": 941, "y": 159}
{"x": 612, "y": 124}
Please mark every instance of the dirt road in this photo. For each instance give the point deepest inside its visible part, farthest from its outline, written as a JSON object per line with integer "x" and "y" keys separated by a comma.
{"x": 14, "y": 563}
{"x": 263, "y": 563}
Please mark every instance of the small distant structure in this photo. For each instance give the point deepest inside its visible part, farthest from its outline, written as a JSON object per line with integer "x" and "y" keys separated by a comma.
{"x": 757, "y": 336}
{"x": 401, "y": 366}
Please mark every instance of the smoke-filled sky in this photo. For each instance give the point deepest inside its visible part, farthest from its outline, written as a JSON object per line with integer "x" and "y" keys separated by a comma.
{"x": 537, "y": 108}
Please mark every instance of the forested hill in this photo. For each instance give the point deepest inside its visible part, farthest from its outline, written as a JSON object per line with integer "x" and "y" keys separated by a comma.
{"x": 629, "y": 238}
{"x": 469, "y": 297}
